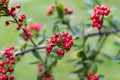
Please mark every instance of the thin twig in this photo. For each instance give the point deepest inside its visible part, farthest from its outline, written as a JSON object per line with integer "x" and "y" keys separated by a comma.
{"x": 102, "y": 33}
{"x": 28, "y": 50}
{"x": 29, "y": 37}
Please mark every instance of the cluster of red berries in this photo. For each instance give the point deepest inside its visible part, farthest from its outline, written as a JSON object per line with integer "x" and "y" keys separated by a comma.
{"x": 21, "y": 20}
{"x": 91, "y": 76}
{"x": 12, "y": 12}
{"x": 47, "y": 75}
{"x": 97, "y": 17}
{"x": 52, "y": 7}
{"x": 30, "y": 30}
{"x": 62, "y": 42}
{"x": 7, "y": 63}
{"x": 68, "y": 10}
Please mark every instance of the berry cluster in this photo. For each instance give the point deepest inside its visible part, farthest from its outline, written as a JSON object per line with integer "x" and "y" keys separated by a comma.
{"x": 47, "y": 75}
{"x": 21, "y": 21}
{"x": 97, "y": 17}
{"x": 6, "y": 64}
{"x": 68, "y": 10}
{"x": 12, "y": 12}
{"x": 91, "y": 76}
{"x": 52, "y": 7}
{"x": 62, "y": 42}
{"x": 30, "y": 30}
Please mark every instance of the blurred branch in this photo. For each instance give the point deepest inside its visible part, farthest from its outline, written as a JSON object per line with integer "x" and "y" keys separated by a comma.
{"x": 102, "y": 33}
{"x": 28, "y": 50}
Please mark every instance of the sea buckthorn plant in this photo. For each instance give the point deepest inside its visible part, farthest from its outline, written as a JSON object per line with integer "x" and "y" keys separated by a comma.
{"x": 65, "y": 38}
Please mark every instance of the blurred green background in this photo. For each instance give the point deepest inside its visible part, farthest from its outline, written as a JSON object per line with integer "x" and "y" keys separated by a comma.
{"x": 36, "y": 9}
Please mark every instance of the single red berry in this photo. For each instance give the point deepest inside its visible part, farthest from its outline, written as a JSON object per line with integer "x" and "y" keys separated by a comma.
{"x": 20, "y": 19}
{"x": 9, "y": 12}
{"x": 12, "y": 77}
{"x": 18, "y": 6}
{"x": 25, "y": 38}
{"x": 1, "y": 63}
{"x": 23, "y": 16}
{"x": 11, "y": 69}
{"x": 13, "y": 14}
{"x": 7, "y": 23}
{"x": 7, "y": 60}
{"x": 52, "y": 6}
{"x": 12, "y": 62}
{"x": 4, "y": 77}
{"x": 49, "y": 13}
{"x": 86, "y": 79}
{"x": 13, "y": 8}
{"x": 3, "y": 1}
{"x": 91, "y": 74}
{"x": 3, "y": 71}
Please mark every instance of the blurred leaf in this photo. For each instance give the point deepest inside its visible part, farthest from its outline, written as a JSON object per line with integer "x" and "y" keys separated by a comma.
{"x": 60, "y": 10}
{"x": 117, "y": 43}
{"x": 55, "y": 29}
{"x": 99, "y": 61}
{"x": 81, "y": 54}
{"x": 23, "y": 47}
{"x": 117, "y": 35}
{"x": 36, "y": 62}
{"x": 87, "y": 48}
{"x": 36, "y": 54}
{"x": 71, "y": 60}
{"x": 108, "y": 56}
{"x": 101, "y": 77}
{"x": 95, "y": 68}
{"x": 60, "y": 57}
{"x": 41, "y": 41}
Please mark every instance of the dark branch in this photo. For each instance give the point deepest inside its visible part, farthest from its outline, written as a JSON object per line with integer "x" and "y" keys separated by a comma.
{"x": 29, "y": 50}
{"x": 102, "y": 33}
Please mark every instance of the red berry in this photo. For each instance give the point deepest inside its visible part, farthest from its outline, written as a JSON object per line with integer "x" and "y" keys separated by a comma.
{"x": 23, "y": 16}
{"x": 52, "y": 6}
{"x": 7, "y": 22}
{"x": 3, "y": 71}
{"x": 4, "y": 77}
{"x": 18, "y": 6}
{"x": 12, "y": 62}
{"x": 13, "y": 14}
{"x": 11, "y": 69}
{"x": 3, "y": 1}
{"x": 1, "y": 63}
{"x": 13, "y": 8}
{"x": 49, "y": 13}
{"x": 12, "y": 77}
{"x": 9, "y": 12}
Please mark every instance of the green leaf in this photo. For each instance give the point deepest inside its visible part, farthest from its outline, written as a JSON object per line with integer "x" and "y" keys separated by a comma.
{"x": 55, "y": 29}
{"x": 60, "y": 10}
{"x": 36, "y": 62}
{"x": 117, "y": 43}
{"x": 71, "y": 60}
{"x": 95, "y": 68}
{"x": 36, "y": 54}
{"x": 23, "y": 46}
{"x": 81, "y": 54}
{"x": 41, "y": 41}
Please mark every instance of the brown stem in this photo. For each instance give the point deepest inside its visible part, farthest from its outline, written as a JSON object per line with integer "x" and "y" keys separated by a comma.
{"x": 29, "y": 37}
